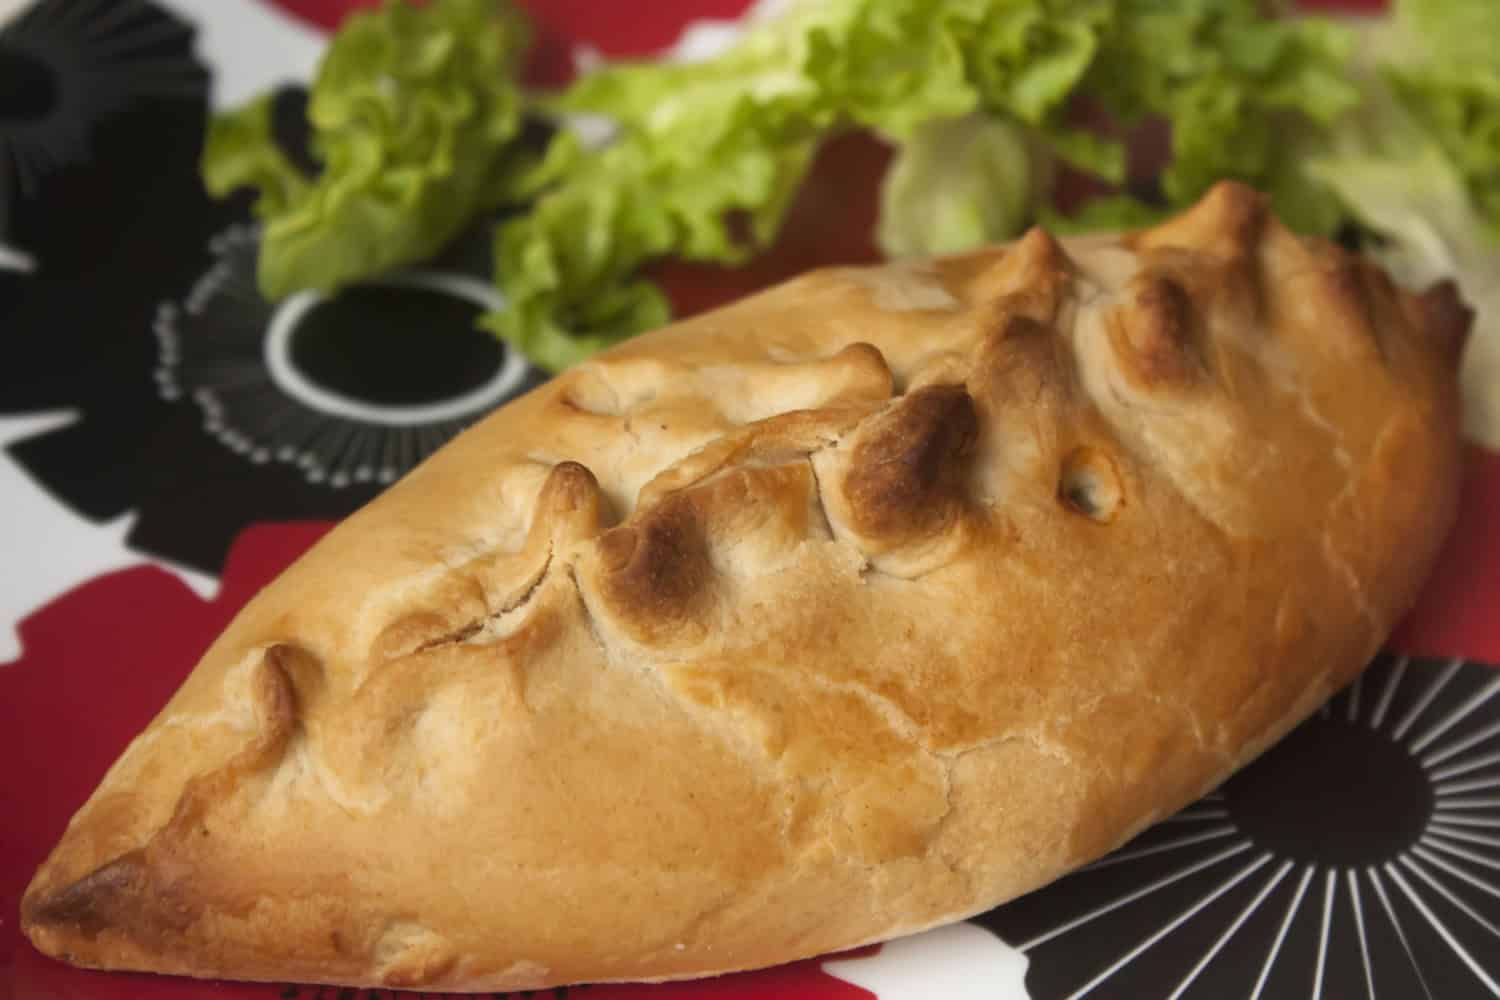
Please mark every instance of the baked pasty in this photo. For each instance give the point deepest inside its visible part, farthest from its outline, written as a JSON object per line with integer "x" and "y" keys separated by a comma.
{"x": 857, "y": 607}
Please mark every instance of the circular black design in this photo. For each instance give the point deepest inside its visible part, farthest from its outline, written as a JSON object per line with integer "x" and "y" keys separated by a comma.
{"x": 1361, "y": 857}
{"x": 126, "y": 243}
{"x": 354, "y": 388}
{"x": 28, "y": 86}
{"x": 397, "y": 345}
{"x": 1334, "y": 792}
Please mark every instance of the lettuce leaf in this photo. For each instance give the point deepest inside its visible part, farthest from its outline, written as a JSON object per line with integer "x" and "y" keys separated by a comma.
{"x": 416, "y": 118}
{"x": 958, "y": 181}
{"x": 1400, "y": 182}
{"x": 710, "y": 154}
{"x": 1235, "y": 86}
{"x": 1107, "y": 213}
{"x": 1419, "y": 165}
{"x": 1442, "y": 59}
{"x": 414, "y": 113}
{"x": 241, "y": 151}
{"x": 974, "y": 94}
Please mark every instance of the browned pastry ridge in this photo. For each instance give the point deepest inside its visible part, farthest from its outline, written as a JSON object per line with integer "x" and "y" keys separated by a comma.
{"x": 857, "y": 607}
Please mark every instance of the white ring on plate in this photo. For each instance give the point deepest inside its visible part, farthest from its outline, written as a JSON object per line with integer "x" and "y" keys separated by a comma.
{"x": 278, "y": 353}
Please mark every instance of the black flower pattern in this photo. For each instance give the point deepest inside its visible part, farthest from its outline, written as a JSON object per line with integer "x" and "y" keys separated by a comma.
{"x": 85, "y": 90}
{"x": 105, "y": 234}
{"x": 201, "y": 406}
{"x": 1358, "y": 857}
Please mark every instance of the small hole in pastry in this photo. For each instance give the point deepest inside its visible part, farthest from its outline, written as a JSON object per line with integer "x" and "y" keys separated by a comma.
{"x": 1090, "y": 486}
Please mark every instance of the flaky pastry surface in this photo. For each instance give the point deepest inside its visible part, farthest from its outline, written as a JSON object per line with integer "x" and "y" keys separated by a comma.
{"x": 859, "y": 606}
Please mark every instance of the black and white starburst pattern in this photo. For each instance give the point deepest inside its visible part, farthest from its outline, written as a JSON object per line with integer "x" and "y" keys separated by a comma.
{"x": 70, "y": 63}
{"x": 354, "y": 388}
{"x": 1358, "y": 858}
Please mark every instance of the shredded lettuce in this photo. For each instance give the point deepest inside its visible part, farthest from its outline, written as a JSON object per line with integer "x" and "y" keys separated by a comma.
{"x": 414, "y": 114}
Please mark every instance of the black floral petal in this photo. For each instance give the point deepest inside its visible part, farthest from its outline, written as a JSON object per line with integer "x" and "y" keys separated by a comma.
{"x": 118, "y": 323}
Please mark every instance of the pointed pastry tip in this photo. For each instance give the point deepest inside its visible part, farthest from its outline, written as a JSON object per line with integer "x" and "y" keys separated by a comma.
{"x": 1038, "y": 252}
{"x": 1029, "y": 279}
{"x": 1446, "y": 317}
{"x": 571, "y": 506}
{"x": 1225, "y": 222}
{"x": 144, "y": 895}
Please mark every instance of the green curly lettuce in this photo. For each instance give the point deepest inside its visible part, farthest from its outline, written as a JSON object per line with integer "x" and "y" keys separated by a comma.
{"x": 1236, "y": 88}
{"x": 1442, "y": 58}
{"x": 1245, "y": 96}
{"x": 956, "y": 182}
{"x": 1107, "y": 213}
{"x": 709, "y": 154}
{"x": 241, "y": 151}
{"x": 974, "y": 94}
{"x": 414, "y": 115}
{"x": 1418, "y": 164}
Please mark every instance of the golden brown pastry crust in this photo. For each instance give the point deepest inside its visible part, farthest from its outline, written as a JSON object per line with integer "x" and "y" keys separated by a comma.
{"x": 859, "y": 606}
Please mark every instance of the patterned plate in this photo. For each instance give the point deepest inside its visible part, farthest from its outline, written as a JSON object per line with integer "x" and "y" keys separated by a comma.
{"x": 154, "y": 407}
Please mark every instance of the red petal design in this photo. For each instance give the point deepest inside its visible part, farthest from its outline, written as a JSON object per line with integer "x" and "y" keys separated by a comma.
{"x": 1455, "y": 615}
